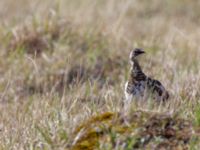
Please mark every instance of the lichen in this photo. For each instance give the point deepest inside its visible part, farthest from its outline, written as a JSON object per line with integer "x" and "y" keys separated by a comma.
{"x": 137, "y": 130}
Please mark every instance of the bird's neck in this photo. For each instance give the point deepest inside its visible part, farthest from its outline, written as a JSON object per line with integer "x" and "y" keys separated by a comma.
{"x": 136, "y": 69}
{"x": 136, "y": 66}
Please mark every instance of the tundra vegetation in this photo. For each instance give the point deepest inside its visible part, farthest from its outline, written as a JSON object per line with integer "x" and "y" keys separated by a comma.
{"x": 64, "y": 63}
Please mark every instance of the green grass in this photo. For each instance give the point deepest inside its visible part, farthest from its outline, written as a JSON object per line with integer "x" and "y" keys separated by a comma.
{"x": 63, "y": 62}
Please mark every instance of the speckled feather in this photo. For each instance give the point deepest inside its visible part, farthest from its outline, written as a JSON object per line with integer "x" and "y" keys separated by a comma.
{"x": 139, "y": 85}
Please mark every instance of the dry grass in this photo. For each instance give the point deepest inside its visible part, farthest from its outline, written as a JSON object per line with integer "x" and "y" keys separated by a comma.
{"x": 62, "y": 62}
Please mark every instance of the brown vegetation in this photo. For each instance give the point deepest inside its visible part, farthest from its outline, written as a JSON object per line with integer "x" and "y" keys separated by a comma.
{"x": 63, "y": 62}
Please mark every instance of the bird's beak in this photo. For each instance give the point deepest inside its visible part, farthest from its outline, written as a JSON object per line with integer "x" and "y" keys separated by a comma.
{"x": 141, "y": 52}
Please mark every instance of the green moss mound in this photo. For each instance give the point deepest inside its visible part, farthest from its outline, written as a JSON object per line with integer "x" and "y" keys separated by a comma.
{"x": 138, "y": 130}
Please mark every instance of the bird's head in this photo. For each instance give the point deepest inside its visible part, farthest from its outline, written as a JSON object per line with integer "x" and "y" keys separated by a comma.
{"x": 135, "y": 53}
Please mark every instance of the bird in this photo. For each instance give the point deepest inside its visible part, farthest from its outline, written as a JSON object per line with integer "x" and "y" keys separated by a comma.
{"x": 139, "y": 85}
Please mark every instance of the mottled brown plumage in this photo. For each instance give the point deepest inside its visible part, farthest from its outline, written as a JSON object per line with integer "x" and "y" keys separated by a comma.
{"x": 139, "y": 85}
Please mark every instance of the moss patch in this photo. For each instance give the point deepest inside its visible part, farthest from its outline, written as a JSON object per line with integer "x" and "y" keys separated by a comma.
{"x": 138, "y": 130}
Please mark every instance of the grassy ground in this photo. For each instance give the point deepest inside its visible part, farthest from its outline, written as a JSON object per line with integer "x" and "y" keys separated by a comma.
{"x": 62, "y": 62}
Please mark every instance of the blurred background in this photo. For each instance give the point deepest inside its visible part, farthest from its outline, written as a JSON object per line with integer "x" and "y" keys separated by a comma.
{"x": 65, "y": 40}
{"x": 59, "y": 58}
